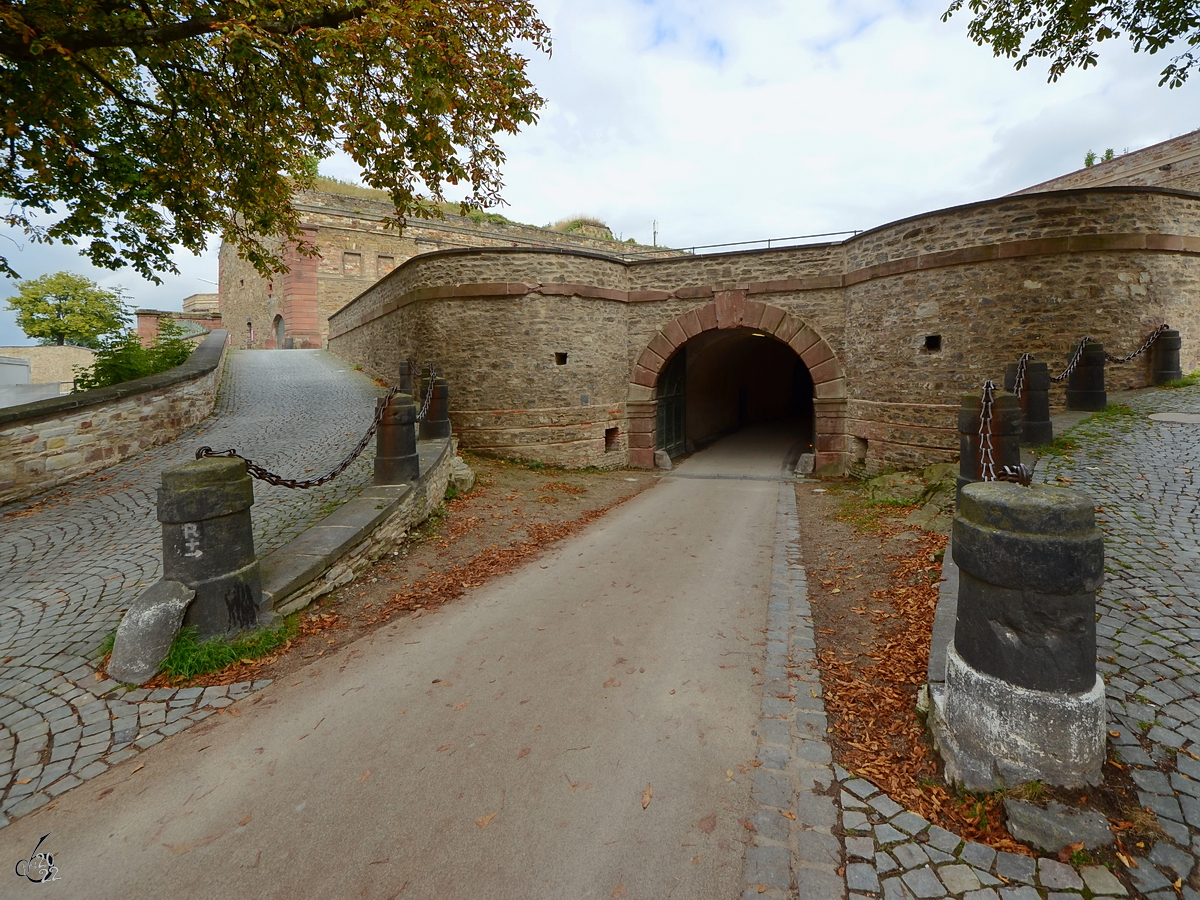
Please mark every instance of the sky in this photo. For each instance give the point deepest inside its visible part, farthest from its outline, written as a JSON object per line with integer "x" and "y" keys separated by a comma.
{"x": 736, "y": 120}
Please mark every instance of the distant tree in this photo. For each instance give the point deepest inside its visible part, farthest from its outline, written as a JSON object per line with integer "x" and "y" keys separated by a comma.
{"x": 1067, "y": 31}
{"x": 138, "y": 126}
{"x": 121, "y": 357}
{"x": 62, "y": 308}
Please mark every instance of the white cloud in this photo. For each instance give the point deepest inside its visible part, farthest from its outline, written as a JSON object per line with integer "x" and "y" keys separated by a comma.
{"x": 748, "y": 119}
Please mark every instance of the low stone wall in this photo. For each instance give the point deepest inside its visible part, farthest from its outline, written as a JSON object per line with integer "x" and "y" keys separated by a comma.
{"x": 48, "y": 443}
{"x": 340, "y": 547}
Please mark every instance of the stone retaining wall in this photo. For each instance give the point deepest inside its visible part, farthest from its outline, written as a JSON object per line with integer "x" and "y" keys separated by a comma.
{"x": 48, "y": 443}
{"x": 914, "y": 314}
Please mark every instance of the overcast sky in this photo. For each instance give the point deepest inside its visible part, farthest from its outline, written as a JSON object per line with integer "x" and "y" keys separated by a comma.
{"x": 737, "y": 120}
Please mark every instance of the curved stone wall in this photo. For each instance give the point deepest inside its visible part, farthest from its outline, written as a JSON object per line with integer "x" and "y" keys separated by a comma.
{"x": 911, "y": 314}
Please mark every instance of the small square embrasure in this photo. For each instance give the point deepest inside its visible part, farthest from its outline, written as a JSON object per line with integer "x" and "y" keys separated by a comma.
{"x": 560, "y": 359}
{"x": 933, "y": 343}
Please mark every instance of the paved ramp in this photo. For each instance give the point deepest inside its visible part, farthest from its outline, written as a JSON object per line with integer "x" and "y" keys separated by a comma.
{"x": 574, "y": 729}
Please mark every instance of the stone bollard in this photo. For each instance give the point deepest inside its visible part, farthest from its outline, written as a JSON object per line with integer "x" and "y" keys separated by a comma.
{"x": 1022, "y": 700}
{"x": 396, "y": 458}
{"x": 1164, "y": 355}
{"x": 1005, "y": 432}
{"x": 1037, "y": 429}
{"x": 208, "y": 545}
{"x": 1085, "y": 386}
{"x": 437, "y": 420}
{"x": 408, "y": 379}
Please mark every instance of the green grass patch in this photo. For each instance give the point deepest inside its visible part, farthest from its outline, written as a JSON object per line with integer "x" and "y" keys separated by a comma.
{"x": 1192, "y": 378}
{"x": 866, "y": 513}
{"x": 189, "y": 657}
{"x": 1060, "y": 446}
{"x": 1111, "y": 412}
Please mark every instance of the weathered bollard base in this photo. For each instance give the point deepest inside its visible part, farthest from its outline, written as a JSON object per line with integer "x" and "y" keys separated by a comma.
{"x": 230, "y": 604}
{"x": 993, "y": 735}
{"x": 146, "y": 631}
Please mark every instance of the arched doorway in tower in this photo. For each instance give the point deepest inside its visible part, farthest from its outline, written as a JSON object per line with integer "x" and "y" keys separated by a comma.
{"x": 277, "y": 327}
{"x": 721, "y": 381}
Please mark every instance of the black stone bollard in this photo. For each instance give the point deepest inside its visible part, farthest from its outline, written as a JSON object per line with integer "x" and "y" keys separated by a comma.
{"x": 208, "y": 544}
{"x": 1022, "y": 700}
{"x": 396, "y": 458}
{"x": 1005, "y": 433}
{"x": 1085, "y": 386}
{"x": 437, "y": 420}
{"x": 1037, "y": 429}
{"x": 1164, "y": 355}
{"x": 408, "y": 379}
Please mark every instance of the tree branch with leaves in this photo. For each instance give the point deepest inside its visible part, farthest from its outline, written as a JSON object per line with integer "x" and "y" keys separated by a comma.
{"x": 136, "y": 126}
{"x": 1067, "y": 32}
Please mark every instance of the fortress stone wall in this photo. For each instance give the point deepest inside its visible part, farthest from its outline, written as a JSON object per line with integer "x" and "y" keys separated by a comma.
{"x": 355, "y": 251}
{"x": 555, "y": 355}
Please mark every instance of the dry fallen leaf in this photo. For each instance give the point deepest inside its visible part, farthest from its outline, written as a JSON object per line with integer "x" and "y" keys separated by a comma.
{"x": 462, "y": 705}
{"x": 646, "y": 795}
{"x": 24, "y": 780}
{"x": 245, "y": 820}
{"x": 484, "y": 821}
{"x": 1065, "y": 854}
{"x": 787, "y": 814}
{"x": 612, "y": 682}
{"x": 708, "y": 824}
{"x": 524, "y": 753}
{"x": 365, "y": 775}
{"x": 619, "y": 890}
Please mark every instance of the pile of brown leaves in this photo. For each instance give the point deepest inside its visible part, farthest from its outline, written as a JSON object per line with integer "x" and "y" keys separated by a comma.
{"x": 872, "y": 707}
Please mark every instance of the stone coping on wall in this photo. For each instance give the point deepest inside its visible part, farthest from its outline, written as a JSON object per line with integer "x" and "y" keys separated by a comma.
{"x": 333, "y": 551}
{"x": 204, "y": 359}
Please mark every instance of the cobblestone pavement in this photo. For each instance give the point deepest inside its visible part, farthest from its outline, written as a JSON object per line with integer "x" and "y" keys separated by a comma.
{"x": 1143, "y": 474}
{"x": 73, "y": 559}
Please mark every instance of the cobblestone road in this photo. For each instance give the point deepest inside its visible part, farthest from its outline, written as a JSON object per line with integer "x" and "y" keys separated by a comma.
{"x": 1145, "y": 477}
{"x": 72, "y": 560}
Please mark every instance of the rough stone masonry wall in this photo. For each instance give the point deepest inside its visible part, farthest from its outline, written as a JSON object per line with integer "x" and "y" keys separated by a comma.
{"x": 1174, "y": 163}
{"x": 991, "y": 280}
{"x": 45, "y": 444}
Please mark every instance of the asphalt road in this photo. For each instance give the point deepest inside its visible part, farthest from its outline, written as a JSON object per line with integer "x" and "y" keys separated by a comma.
{"x": 573, "y": 729}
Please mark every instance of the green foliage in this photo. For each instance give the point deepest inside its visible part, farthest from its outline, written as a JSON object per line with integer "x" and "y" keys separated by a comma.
{"x": 122, "y": 357}
{"x": 1186, "y": 381}
{"x": 189, "y": 657}
{"x": 1068, "y": 34}
{"x": 1111, "y": 412}
{"x": 1060, "y": 446}
{"x": 1089, "y": 159}
{"x": 64, "y": 308}
{"x": 137, "y": 126}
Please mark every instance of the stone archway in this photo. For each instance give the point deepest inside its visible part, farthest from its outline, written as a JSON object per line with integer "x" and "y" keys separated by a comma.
{"x": 731, "y": 309}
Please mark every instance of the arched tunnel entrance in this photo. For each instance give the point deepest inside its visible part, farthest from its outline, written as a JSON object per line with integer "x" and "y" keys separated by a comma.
{"x": 723, "y": 380}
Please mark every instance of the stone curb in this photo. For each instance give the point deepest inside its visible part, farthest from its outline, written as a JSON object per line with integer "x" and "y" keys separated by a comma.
{"x": 378, "y": 516}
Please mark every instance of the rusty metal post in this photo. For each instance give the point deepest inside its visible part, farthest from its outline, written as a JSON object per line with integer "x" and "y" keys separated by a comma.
{"x": 1165, "y": 356}
{"x": 1085, "y": 386}
{"x": 396, "y": 459}
{"x": 436, "y": 424}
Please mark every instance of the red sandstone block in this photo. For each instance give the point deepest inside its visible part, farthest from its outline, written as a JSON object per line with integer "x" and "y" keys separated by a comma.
{"x": 641, "y": 409}
{"x": 830, "y": 390}
{"x": 829, "y": 370}
{"x": 804, "y": 339}
{"x": 1191, "y": 244}
{"x": 816, "y": 354}
{"x": 1088, "y": 242}
{"x": 772, "y": 316}
{"x": 708, "y": 316}
{"x": 638, "y": 440}
{"x": 857, "y": 276}
{"x": 1164, "y": 242}
{"x": 644, "y": 376}
{"x": 690, "y": 322}
{"x": 694, "y": 293}
{"x": 641, "y": 458}
{"x": 788, "y": 328}
{"x": 896, "y": 267}
{"x": 661, "y": 346}
{"x": 752, "y": 315}
{"x": 650, "y": 361}
{"x": 674, "y": 333}
{"x": 641, "y": 296}
{"x": 641, "y": 425}
{"x": 1038, "y": 247}
{"x": 962, "y": 256}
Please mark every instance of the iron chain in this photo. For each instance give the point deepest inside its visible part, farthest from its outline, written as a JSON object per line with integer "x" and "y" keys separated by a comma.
{"x": 987, "y": 462}
{"x": 1154, "y": 336}
{"x": 1073, "y": 363}
{"x": 1022, "y": 365}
